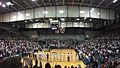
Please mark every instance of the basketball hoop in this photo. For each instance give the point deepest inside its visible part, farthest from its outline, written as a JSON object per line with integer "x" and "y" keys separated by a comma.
{"x": 62, "y": 30}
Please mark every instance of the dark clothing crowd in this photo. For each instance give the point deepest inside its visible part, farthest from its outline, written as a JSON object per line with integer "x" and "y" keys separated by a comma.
{"x": 15, "y": 44}
{"x": 102, "y": 51}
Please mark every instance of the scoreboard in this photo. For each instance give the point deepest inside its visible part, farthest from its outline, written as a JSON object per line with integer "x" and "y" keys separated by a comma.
{"x": 54, "y": 26}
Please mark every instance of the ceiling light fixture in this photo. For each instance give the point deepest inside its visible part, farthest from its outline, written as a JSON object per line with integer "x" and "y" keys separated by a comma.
{"x": 50, "y": 19}
{"x": 63, "y": 23}
{"x": 33, "y": 0}
{"x": 98, "y": 13}
{"x": 85, "y": 18}
{"x": 54, "y": 21}
{"x": 82, "y": 12}
{"x": 13, "y": 25}
{"x": 19, "y": 13}
{"x": 27, "y": 14}
{"x": 87, "y": 36}
{"x": 3, "y": 5}
{"x": 36, "y": 20}
{"x": 14, "y": 16}
{"x": 92, "y": 10}
{"x": 8, "y": 3}
{"x": 75, "y": 23}
{"x": 31, "y": 20}
{"x": 41, "y": 23}
{"x": 0, "y": 3}
{"x": 90, "y": 19}
{"x": 114, "y": 1}
{"x": 77, "y": 19}
{"x": 25, "y": 21}
{"x": 62, "y": 19}
{"x": 45, "y": 12}
{"x": 61, "y": 11}
{"x": 80, "y": 22}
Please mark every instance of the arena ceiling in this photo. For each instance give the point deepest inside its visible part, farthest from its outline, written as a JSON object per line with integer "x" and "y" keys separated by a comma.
{"x": 18, "y": 5}
{"x": 27, "y": 4}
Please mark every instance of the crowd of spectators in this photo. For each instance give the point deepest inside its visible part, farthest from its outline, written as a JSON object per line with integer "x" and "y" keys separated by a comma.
{"x": 102, "y": 51}
{"x": 57, "y": 43}
{"x": 15, "y": 44}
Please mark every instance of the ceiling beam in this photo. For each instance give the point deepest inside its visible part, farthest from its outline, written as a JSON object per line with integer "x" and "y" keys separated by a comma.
{"x": 36, "y": 3}
{"x": 56, "y": 2}
{"x": 50, "y": 2}
{"x": 82, "y": 2}
{"x": 117, "y": 10}
{"x": 63, "y": 2}
{"x": 108, "y": 4}
{"x": 27, "y": 4}
{"x": 18, "y": 4}
{"x": 43, "y": 3}
{"x": 14, "y": 8}
{"x": 9, "y": 7}
{"x": 100, "y": 3}
{"x": 90, "y": 3}
{"x": 73, "y": 2}
{"x": 117, "y": 5}
{"x": 5, "y": 10}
